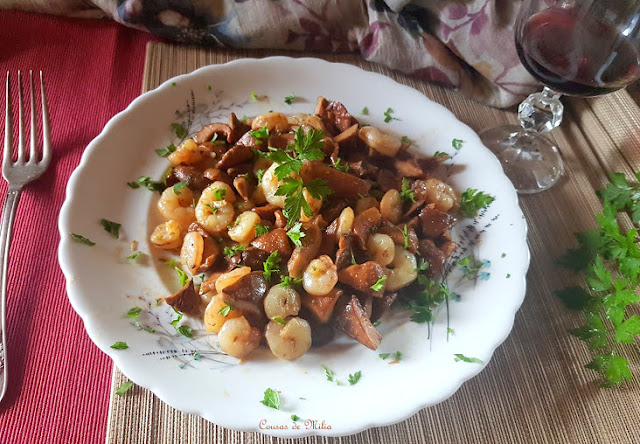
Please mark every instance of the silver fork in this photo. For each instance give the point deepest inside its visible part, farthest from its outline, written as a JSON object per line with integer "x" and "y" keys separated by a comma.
{"x": 18, "y": 174}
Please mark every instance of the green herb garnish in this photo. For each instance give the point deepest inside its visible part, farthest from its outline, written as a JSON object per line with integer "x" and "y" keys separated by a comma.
{"x": 124, "y": 388}
{"x": 259, "y": 175}
{"x": 225, "y": 310}
{"x": 473, "y": 200}
{"x": 379, "y": 285}
{"x": 387, "y": 115}
{"x": 135, "y": 256}
{"x": 177, "y": 188}
{"x": 253, "y": 95}
{"x": 219, "y": 194}
{"x": 134, "y": 312}
{"x": 440, "y": 153}
{"x": 289, "y": 99}
{"x": 288, "y": 281}
{"x": 295, "y": 418}
{"x": 406, "y": 194}
{"x": 231, "y": 251}
{"x": 295, "y": 233}
{"x": 398, "y": 356}
{"x": 120, "y": 345}
{"x": 261, "y": 229}
{"x": 185, "y": 330}
{"x": 145, "y": 181}
{"x": 271, "y": 265}
{"x": 178, "y": 319}
{"x": 180, "y": 131}
{"x": 338, "y": 165}
{"x": 166, "y": 151}
{"x": 457, "y": 143}
{"x": 364, "y": 111}
{"x": 353, "y": 379}
{"x": 460, "y": 357}
{"x": 384, "y": 356}
{"x": 278, "y": 320}
{"x": 271, "y": 399}
{"x": 405, "y": 235}
{"x": 81, "y": 239}
{"x": 405, "y": 139}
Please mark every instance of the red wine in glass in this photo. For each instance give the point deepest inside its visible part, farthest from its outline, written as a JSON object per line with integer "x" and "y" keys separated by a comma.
{"x": 576, "y": 54}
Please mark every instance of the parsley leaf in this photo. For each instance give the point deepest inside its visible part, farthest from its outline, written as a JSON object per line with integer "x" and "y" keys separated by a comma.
{"x": 457, "y": 143}
{"x": 119, "y": 345}
{"x": 330, "y": 374}
{"x": 180, "y": 131}
{"x": 259, "y": 175}
{"x": 460, "y": 357}
{"x": 166, "y": 151}
{"x": 145, "y": 181}
{"x": 364, "y": 111}
{"x": 124, "y": 388}
{"x": 353, "y": 379}
{"x": 288, "y": 281}
{"x": 405, "y": 235}
{"x": 289, "y": 99}
{"x": 253, "y": 96}
{"x": 177, "y": 188}
{"x": 406, "y": 194}
{"x": 261, "y": 229}
{"x": 379, "y": 285}
{"x": 295, "y": 418}
{"x": 271, "y": 399}
{"x": 473, "y": 200}
{"x": 387, "y": 115}
{"x": 135, "y": 256}
{"x": 184, "y": 277}
{"x": 185, "y": 330}
{"x": 219, "y": 194}
{"x": 81, "y": 239}
{"x": 231, "y": 251}
{"x": 112, "y": 228}
{"x": 338, "y": 165}
{"x": 398, "y": 356}
{"x": 260, "y": 134}
{"x": 278, "y": 320}
{"x": 405, "y": 139}
{"x": 271, "y": 265}
{"x": 384, "y": 356}
{"x": 178, "y": 319}
{"x": 295, "y": 233}
{"x": 225, "y": 310}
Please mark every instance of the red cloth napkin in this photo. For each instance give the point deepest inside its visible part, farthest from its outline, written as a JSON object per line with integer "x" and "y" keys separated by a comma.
{"x": 59, "y": 382}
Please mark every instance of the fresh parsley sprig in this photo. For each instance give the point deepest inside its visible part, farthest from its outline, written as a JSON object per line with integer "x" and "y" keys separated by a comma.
{"x": 607, "y": 325}
{"x": 473, "y": 200}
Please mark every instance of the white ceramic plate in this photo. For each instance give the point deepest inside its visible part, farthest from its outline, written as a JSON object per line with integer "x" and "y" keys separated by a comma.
{"x": 192, "y": 375}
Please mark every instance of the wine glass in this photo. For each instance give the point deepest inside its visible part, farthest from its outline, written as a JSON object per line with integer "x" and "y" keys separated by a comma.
{"x": 575, "y": 47}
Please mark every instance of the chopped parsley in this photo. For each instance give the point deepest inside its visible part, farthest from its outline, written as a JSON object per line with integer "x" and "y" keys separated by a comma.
{"x": 306, "y": 147}
{"x": 379, "y": 285}
{"x": 119, "y": 345}
{"x": 81, "y": 239}
{"x": 225, "y": 310}
{"x": 253, "y": 95}
{"x": 330, "y": 374}
{"x": 259, "y": 175}
{"x": 457, "y": 143}
{"x": 289, "y": 99}
{"x": 460, "y": 357}
{"x": 166, "y": 151}
{"x": 178, "y": 319}
{"x": 295, "y": 233}
{"x": 185, "y": 330}
{"x": 260, "y": 134}
{"x": 278, "y": 320}
{"x": 398, "y": 356}
{"x": 473, "y": 200}
{"x": 364, "y": 111}
{"x": 261, "y": 229}
{"x": 271, "y": 399}
{"x": 295, "y": 204}
{"x": 295, "y": 418}
{"x": 422, "y": 265}
{"x": 112, "y": 228}
{"x": 145, "y": 181}
{"x": 387, "y": 115}
{"x": 124, "y": 388}
{"x": 184, "y": 277}
{"x": 177, "y": 188}
{"x": 231, "y": 251}
{"x": 405, "y": 139}
{"x": 135, "y": 256}
{"x": 440, "y": 153}
{"x": 406, "y": 194}
{"x": 503, "y": 255}
{"x": 405, "y": 235}
{"x": 271, "y": 265}
{"x": 180, "y": 131}
{"x": 353, "y": 379}
{"x": 384, "y": 356}
{"x": 338, "y": 165}
{"x": 288, "y": 281}
{"x": 471, "y": 268}
{"x": 219, "y": 194}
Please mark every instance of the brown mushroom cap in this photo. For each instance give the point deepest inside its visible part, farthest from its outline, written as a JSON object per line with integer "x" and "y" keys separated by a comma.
{"x": 207, "y": 132}
{"x": 186, "y": 300}
{"x": 351, "y": 318}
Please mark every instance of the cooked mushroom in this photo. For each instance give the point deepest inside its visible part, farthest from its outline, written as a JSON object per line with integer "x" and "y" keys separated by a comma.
{"x": 382, "y": 305}
{"x": 207, "y": 132}
{"x": 345, "y": 253}
{"x": 387, "y": 180}
{"x": 408, "y": 167}
{"x": 397, "y": 234}
{"x": 235, "y": 155}
{"x": 247, "y": 294}
{"x": 347, "y": 137}
{"x": 343, "y": 184}
{"x": 363, "y": 277}
{"x": 243, "y": 186}
{"x": 434, "y": 222}
{"x": 214, "y": 175}
{"x": 186, "y": 300}
{"x": 254, "y": 257}
{"x": 352, "y": 319}
{"x": 274, "y": 240}
{"x": 192, "y": 176}
{"x": 433, "y": 255}
{"x": 266, "y": 212}
{"x": 304, "y": 254}
{"x": 238, "y": 128}
{"x": 322, "y": 306}
{"x": 364, "y": 224}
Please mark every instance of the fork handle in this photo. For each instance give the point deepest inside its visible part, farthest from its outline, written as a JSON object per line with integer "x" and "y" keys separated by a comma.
{"x": 8, "y": 216}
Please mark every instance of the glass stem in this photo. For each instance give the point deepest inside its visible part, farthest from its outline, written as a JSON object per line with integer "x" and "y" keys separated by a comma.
{"x": 540, "y": 112}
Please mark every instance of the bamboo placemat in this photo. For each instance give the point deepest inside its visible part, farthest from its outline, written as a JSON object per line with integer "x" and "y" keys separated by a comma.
{"x": 535, "y": 388}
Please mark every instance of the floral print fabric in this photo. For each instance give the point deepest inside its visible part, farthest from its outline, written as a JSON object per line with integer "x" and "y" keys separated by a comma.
{"x": 466, "y": 44}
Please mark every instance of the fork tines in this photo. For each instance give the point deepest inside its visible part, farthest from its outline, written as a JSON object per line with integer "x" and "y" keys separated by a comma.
{"x": 8, "y": 141}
